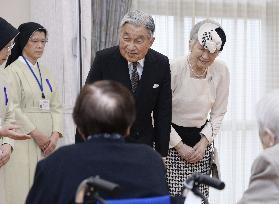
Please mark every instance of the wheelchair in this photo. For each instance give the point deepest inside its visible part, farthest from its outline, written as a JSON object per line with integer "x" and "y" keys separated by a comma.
{"x": 89, "y": 189}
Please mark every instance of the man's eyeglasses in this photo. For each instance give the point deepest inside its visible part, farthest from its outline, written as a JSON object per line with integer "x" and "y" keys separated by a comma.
{"x": 9, "y": 47}
{"x": 35, "y": 41}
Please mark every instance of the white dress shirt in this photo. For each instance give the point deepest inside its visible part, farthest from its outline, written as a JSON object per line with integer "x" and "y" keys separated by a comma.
{"x": 139, "y": 68}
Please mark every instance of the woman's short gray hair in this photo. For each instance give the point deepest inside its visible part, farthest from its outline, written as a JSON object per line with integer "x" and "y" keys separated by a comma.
{"x": 268, "y": 112}
{"x": 196, "y": 27}
{"x": 139, "y": 18}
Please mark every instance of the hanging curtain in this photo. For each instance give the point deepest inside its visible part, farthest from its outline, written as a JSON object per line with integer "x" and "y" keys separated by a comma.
{"x": 251, "y": 53}
{"x": 106, "y": 17}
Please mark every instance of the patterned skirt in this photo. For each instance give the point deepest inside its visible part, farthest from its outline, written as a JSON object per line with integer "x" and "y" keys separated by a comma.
{"x": 178, "y": 170}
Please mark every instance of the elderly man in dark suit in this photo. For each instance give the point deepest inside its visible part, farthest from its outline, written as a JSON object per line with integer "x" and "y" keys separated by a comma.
{"x": 103, "y": 113}
{"x": 146, "y": 73}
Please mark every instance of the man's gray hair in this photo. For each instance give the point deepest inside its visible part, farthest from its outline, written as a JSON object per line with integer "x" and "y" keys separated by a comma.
{"x": 268, "y": 112}
{"x": 196, "y": 27}
{"x": 139, "y": 18}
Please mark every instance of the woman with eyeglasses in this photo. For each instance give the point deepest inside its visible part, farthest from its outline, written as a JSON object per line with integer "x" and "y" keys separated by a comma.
{"x": 7, "y": 35}
{"x": 38, "y": 109}
{"x": 7, "y": 130}
{"x": 7, "y": 126}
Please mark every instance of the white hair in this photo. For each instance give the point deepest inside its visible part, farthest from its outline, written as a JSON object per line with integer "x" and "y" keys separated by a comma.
{"x": 139, "y": 18}
{"x": 268, "y": 112}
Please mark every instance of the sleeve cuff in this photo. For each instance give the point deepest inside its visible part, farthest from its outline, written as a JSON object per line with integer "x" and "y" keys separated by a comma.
{"x": 59, "y": 132}
{"x": 174, "y": 138}
{"x": 57, "y": 125}
{"x": 9, "y": 141}
{"x": 27, "y": 128}
{"x": 207, "y": 132}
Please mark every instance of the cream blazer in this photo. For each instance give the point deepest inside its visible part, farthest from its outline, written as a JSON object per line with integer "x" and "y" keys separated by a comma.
{"x": 6, "y": 117}
{"x": 6, "y": 107}
{"x": 264, "y": 180}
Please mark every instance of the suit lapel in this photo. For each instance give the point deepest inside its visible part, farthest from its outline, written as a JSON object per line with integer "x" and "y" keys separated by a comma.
{"x": 122, "y": 73}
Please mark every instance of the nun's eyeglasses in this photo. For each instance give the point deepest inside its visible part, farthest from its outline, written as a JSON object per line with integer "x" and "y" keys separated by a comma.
{"x": 35, "y": 41}
{"x": 9, "y": 47}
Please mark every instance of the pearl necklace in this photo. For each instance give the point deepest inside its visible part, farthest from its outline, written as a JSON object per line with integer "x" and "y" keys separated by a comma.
{"x": 195, "y": 75}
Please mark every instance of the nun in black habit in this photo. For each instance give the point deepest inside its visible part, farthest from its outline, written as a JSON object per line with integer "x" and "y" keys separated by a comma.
{"x": 37, "y": 106}
{"x": 7, "y": 35}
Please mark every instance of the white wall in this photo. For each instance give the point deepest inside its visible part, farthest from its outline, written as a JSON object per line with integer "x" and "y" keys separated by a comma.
{"x": 15, "y": 11}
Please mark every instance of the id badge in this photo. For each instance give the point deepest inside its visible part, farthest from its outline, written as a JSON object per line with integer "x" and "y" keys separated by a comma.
{"x": 44, "y": 104}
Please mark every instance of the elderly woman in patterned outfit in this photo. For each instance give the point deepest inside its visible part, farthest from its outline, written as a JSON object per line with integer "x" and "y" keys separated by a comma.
{"x": 200, "y": 88}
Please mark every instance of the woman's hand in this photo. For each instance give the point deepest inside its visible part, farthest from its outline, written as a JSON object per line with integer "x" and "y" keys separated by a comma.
{"x": 10, "y": 131}
{"x": 5, "y": 153}
{"x": 41, "y": 139}
{"x": 184, "y": 150}
{"x": 52, "y": 144}
{"x": 199, "y": 150}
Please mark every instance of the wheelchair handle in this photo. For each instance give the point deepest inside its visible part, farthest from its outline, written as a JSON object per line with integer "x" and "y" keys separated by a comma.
{"x": 212, "y": 182}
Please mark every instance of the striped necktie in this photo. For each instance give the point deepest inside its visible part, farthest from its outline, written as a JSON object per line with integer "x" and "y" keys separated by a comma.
{"x": 134, "y": 77}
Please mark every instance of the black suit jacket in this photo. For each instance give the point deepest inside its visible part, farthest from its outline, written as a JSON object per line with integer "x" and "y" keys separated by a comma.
{"x": 57, "y": 177}
{"x": 110, "y": 65}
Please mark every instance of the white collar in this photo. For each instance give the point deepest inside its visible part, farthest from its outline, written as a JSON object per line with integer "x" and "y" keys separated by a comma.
{"x": 141, "y": 62}
{"x": 20, "y": 58}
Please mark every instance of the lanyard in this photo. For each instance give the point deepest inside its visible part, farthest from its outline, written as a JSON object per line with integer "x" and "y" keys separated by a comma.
{"x": 6, "y": 96}
{"x": 40, "y": 84}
